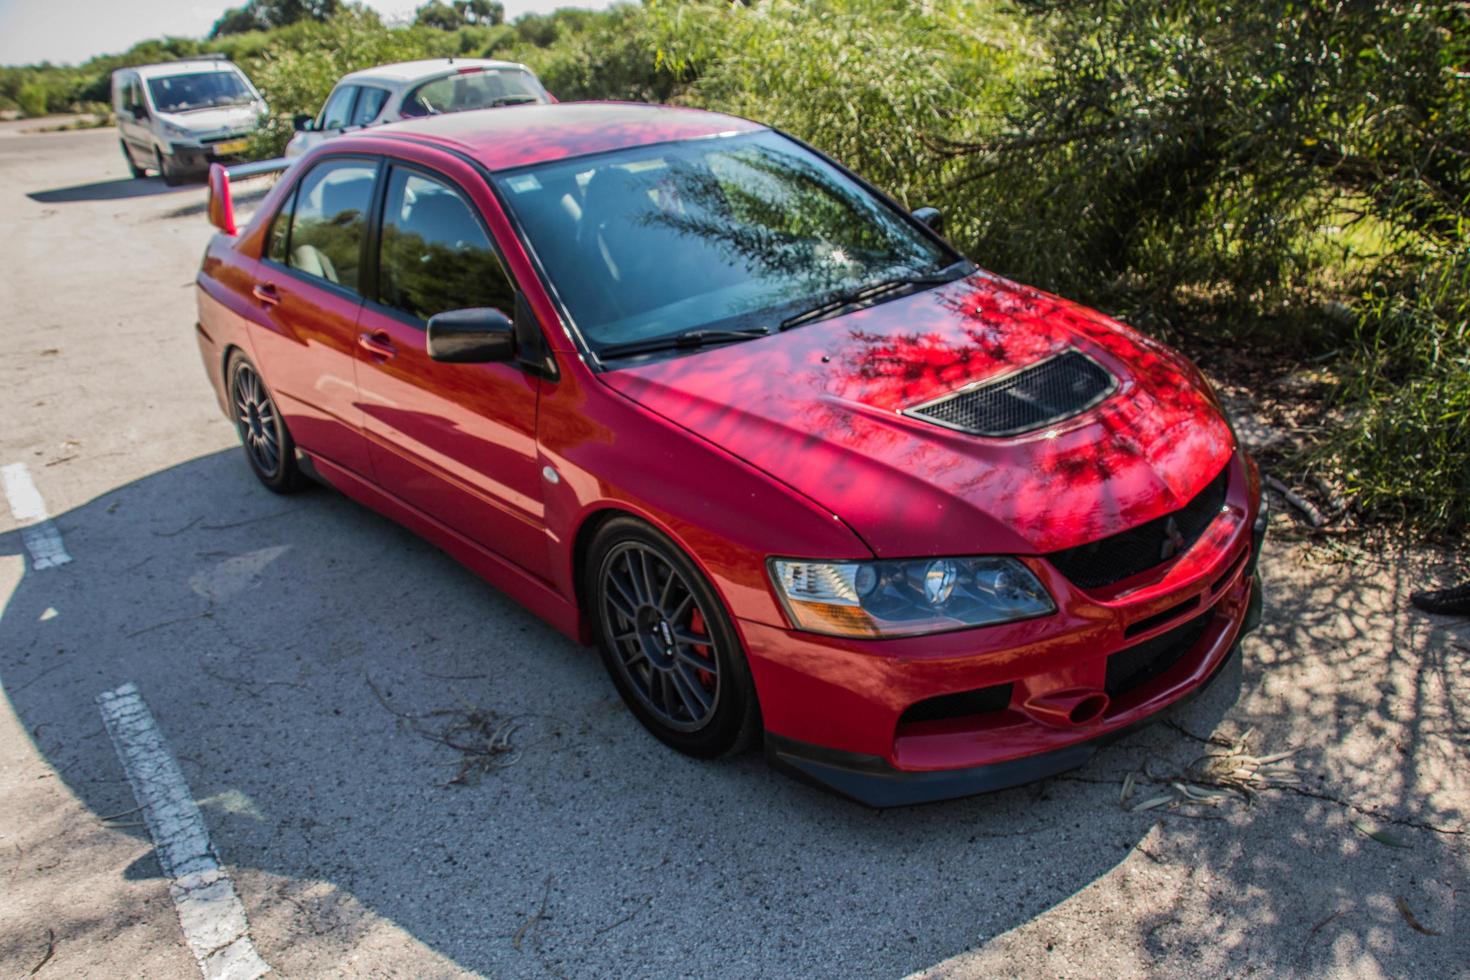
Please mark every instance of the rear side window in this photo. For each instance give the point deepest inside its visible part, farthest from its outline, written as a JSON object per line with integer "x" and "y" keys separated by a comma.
{"x": 472, "y": 90}
{"x": 338, "y": 110}
{"x": 435, "y": 255}
{"x": 329, "y": 220}
{"x": 369, "y": 103}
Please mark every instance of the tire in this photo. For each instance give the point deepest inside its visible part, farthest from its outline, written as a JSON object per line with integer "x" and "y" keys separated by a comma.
{"x": 646, "y": 597}
{"x": 166, "y": 169}
{"x": 269, "y": 448}
{"x": 137, "y": 171}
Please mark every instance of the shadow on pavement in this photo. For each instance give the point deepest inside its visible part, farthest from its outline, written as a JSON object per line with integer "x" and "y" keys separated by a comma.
{"x": 257, "y": 628}
{"x": 111, "y": 190}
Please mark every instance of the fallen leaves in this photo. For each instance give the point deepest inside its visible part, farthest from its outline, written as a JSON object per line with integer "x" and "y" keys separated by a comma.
{"x": 1215, "y": 777}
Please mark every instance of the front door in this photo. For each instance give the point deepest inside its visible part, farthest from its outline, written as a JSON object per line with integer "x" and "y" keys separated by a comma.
{"x": 307, "y": 295}
{"x": 455, "y": 441}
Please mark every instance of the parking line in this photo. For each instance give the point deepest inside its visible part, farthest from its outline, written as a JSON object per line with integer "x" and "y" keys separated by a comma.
{"x": 42, "y": 538}
{"x": 209, "y": 908}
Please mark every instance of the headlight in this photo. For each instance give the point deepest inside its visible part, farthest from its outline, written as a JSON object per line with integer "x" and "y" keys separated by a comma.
{"x": 905, "y": 598}
{"x": 176, "y": 131}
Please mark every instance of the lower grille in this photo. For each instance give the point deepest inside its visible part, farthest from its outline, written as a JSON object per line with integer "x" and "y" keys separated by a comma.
{"x": 1123, "y": 555}
{"x": 1132, "y": 668}
{"x": 961, "y": 705}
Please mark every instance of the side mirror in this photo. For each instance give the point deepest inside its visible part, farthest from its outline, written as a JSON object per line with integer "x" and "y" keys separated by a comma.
{"x": 933, "y": 217}
{"x": 302, "y": 123}
{"x": 475, "y": 336}
{"x": 140, "y": 111}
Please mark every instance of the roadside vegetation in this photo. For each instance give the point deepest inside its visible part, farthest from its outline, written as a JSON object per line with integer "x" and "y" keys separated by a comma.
{"x": 1271, "y": 183}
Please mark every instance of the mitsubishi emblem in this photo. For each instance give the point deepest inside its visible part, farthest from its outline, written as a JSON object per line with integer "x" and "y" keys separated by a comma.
{"x": 1173, "y": 540}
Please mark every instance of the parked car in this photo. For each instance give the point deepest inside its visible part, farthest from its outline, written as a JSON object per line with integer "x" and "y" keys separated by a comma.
{"x": 410, "y": 89}
{"x": 694, "y": 392}
{"x": 178, "y": 118}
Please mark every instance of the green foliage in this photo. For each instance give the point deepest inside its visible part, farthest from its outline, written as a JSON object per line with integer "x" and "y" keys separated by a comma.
{"x": 460, "y": 13}
{"x": 263, "y": 15}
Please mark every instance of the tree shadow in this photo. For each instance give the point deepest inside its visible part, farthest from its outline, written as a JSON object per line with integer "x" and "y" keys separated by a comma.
{"x": 280, "y": 643}
{"x": 112, "y": 190}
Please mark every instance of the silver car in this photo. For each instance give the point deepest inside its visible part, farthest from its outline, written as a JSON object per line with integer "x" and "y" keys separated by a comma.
{"x": 179, "y": 117}
{"x": 411, "y": 89}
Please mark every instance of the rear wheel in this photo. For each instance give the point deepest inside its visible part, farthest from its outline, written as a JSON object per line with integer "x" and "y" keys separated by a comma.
{"x": 269, "y": 448}
{"x": 137, "y": 171}
{"x": 668, "y": 644}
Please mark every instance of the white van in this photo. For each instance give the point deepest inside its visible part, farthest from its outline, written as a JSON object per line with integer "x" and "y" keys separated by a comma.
{"x": 179, "y": 117}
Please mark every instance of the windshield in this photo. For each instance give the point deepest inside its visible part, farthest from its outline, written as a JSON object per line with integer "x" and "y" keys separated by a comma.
{"x": 728, "y": 232}
{"x": 201, "y": 90}
{"x": 472, "y": 89}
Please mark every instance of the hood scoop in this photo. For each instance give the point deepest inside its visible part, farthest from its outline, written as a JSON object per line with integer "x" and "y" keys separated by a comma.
{"x": 1036, "y": 396}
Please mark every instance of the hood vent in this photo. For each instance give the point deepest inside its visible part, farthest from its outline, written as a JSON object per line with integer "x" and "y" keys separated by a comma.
{"x": 1032, "y": 398}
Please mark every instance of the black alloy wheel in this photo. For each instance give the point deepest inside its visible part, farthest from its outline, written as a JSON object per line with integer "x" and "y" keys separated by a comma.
{"x": 269, "y": 448}
{"x": 668, "y": 643}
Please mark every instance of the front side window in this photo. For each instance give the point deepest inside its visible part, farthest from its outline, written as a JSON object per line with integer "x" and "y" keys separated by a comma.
{"x": 734, "y": 232}
{"x": 369, "y": 103}
{"x": 330, "y": 218}
{"x": 435, "y": 255}
{"x": 338, "y": 109}
{"x": 198, "y": 90}
{"x": 473, "y": 89}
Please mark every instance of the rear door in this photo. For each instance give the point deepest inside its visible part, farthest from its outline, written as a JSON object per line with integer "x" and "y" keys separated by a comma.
{"x": 455, "y": 441}
{"x": 308, "y": 295}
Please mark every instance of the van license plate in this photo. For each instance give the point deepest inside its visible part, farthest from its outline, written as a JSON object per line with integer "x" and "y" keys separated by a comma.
{"x": 233, "y": 146}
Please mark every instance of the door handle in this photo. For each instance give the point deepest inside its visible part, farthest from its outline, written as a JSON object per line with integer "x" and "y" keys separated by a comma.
{"x": 266, "y": 293}
{"x": 377, "y": 343}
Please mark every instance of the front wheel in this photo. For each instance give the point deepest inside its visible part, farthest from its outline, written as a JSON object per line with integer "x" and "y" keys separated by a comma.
{"x": 269, "y": 448}
{"x": 668, "y": 644}
{"x": 166, "y": 169}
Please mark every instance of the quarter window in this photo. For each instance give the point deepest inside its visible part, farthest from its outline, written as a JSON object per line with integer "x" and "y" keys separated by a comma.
{"x": 329, "y": 220}
{"x": 435, "y": 255}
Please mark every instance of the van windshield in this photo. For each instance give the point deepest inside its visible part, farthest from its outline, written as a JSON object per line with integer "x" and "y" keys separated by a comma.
{"x": 198, "y": 90}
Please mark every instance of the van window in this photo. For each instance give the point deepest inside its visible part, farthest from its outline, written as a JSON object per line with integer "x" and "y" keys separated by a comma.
{"x": 198, "y": 90}
{"x": 330, "y": 216}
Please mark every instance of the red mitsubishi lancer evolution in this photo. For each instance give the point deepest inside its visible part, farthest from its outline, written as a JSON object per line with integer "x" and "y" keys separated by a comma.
{"x": 694, "y": 392}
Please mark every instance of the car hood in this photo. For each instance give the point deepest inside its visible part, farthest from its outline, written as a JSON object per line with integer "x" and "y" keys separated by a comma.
{"x": 818, "y": 408}
{"x": 207, "y": 122}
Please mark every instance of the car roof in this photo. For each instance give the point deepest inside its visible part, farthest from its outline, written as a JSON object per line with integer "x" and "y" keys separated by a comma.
{"x": 412, "y": 71}
{"x": 516, "y": 136}
{"x": 169, "y": 68}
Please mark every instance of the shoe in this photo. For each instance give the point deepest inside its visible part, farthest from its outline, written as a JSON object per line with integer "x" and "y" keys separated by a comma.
{"x": 1448, "y": 602}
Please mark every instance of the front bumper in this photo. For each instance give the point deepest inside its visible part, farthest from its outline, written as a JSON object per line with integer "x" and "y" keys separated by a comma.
{"x": 857, "y": 717}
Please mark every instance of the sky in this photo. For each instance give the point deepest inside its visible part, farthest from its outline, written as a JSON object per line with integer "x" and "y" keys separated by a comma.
{"x": 71, "y": 31}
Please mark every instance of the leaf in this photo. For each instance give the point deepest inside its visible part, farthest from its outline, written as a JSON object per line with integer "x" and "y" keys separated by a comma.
{"x": 1127, "y": 789}
{"x": 1408, "y": 915}
{"x": 1382, "y": 836}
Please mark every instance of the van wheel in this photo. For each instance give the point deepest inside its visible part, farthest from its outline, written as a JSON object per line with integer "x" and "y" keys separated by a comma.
{"x": 166, "y": 170}
{"x": 137, "y": 171}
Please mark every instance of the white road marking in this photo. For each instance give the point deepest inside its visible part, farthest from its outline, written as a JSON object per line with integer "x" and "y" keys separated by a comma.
{"x": 209, "y": 909}
{"x": 41, "y": 537}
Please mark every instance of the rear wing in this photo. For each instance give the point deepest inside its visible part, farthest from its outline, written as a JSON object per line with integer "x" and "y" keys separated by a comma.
{"x": 221, "y": 203}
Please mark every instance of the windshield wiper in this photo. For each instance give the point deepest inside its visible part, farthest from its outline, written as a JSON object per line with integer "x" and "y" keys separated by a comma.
{"x": 512, "y": 100}
{"x": 687, "y": 339}
{"x": 851, "y": 297}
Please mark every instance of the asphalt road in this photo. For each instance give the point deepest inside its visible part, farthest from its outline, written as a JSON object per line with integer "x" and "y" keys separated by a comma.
{"x": 301, "y": 656}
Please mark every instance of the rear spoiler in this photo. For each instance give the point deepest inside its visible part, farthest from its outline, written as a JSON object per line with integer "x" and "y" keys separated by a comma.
{"x": 221, "y": 204}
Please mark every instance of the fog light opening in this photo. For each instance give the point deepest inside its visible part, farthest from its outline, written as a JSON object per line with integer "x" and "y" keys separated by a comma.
{"x": 1088, "y": 709}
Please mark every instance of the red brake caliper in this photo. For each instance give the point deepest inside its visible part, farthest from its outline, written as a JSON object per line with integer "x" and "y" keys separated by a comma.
{"x": 696, "y": 625}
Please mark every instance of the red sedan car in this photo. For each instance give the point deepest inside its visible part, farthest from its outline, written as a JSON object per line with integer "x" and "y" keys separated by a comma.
{"x": 694, "y": 392}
